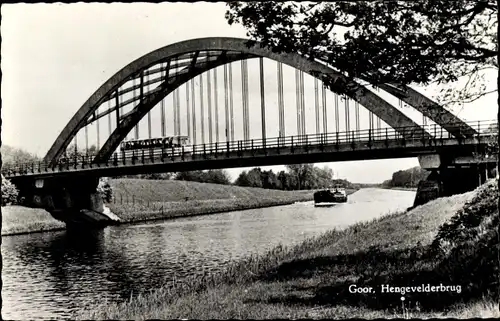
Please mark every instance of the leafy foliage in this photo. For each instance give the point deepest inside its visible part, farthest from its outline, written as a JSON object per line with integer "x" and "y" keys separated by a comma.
{"x": 104, "y": 188}
{"x": 9, "y": 192}
{"x": 297, "y": 177}
{"x": 469, "y": 243}
{"x": 215, "y": 176}
{"x": 12, "y": 155}
{"x": 407, "y": 178}
{"x": 401, "y": 42}
{"x": 476, "y": 217}
{"x": 72, "y": 151}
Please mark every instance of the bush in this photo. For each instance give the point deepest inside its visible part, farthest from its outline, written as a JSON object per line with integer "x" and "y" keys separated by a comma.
{"x": 469, "y": 244}
{"x": 104, "y": 188}
{"x": 470, "y": 222}
{"x": 9, "y": 192}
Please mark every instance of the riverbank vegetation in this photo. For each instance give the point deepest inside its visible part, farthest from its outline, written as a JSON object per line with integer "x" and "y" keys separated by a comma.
{"x": 449, "y": 241}
{"x": 21, "y": 220}
{"x": 9, "y": 192}
{"x": 408, "y": 178}
{"x": 12, "y": 155}
{"x": 296, "y": 177}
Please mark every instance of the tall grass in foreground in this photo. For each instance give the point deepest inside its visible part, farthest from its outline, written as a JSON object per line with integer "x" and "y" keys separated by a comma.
{"x": 311, "y": 279}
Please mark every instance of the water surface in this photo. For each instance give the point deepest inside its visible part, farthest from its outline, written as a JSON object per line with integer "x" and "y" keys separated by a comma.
{"x": 51, "y": 275}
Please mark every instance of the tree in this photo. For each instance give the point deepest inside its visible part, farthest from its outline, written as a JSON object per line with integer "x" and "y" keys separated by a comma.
{"x": 395, "y": 42}
{"x": 407, "y": 178}
{"x": 322, "y": 177}
{"x": 105, "y": 190}
{"x": 269, "y": 180}
{"x": 12, "y": 156}
{"x": 242, "y": 179}
{"x": 402, "y": 42}
{"x": 72, "y": 151}
{"x": 302, "y": 174}
{"x": 9, "y": 192}
{"x": 254, "y": 177}
{"x": 217, "y": 176}
{"x": 285, "y": 180}
{"x": 194, "y": 176}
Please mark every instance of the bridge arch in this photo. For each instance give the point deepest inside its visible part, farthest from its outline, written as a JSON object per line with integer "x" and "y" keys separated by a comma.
{"x": 229, "y": 50}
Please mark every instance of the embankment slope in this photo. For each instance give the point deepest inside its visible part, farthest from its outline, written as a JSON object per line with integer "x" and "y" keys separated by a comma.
{"x": 21, "y": 220}
{"x": 142, "y": 199}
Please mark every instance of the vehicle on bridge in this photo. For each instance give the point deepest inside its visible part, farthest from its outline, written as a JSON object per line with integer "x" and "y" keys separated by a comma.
{"x": 329, "y": 197}
{"x": 154, "y": 143}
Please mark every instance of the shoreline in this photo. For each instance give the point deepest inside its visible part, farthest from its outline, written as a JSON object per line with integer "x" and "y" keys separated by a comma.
{"x": 398, "y": 188}
{"x": 282, "y": 282}
{"x": 52, "y": 225}
{"x": 224, "y": 208}
{"x": 203, "y": 212}
{"x": 39, "y": 221}
{"x": 20, "y": 220}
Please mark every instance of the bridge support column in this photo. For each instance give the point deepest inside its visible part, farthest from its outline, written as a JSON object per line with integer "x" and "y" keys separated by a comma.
{"x": 74, "y": 201}
{"x": 447, "y": 178}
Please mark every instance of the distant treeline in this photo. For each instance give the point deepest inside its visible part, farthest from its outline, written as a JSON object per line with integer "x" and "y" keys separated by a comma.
{"x": 296, "y": 177}
{"x": 12, "y": 155}
{"x": 407, "y": 178}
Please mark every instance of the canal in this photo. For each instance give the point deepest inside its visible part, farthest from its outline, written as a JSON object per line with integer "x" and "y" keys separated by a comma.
{"x": 53, "y": 274}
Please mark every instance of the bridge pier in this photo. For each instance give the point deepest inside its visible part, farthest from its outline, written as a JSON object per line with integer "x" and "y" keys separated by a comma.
{"x": 451, "y": 176}
{"x": 74, "y": 201}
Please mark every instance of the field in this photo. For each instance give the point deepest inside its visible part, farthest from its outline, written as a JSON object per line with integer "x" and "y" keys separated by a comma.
{"x": 20, "y": 220}
{"x": 450, "y": 241}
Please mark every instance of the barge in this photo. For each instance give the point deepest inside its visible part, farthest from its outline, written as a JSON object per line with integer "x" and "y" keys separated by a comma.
{"x": 330, "y": 197}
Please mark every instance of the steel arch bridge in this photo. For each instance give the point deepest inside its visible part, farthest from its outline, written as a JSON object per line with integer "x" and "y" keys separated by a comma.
{"x": 169, "y": 67}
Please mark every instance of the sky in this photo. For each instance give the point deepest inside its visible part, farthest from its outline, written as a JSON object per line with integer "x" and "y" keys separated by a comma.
{"x": 54, "y": 56}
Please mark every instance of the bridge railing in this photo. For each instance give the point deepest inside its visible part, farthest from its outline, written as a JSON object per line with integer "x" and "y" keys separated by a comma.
{"x": 410, "y": 133}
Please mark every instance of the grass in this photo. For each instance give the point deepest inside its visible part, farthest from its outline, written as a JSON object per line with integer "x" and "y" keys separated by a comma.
{"x": 138, "y": 200}
{"x": 311, "y": 280}
{"x": 141, "y": 200}
{"x": 21, "y": 220}
{"x": 165, "y": 210}
{"x": 399, "y": 188}
{"x": 172, "y": 191}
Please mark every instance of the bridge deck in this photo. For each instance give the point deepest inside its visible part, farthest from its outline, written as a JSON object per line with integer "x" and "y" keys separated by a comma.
{"x": 385, "y": 143}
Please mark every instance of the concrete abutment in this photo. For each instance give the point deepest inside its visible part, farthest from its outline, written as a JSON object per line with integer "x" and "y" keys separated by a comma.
{"x": 73, "y": 201}
{"x": 451, "y": 176}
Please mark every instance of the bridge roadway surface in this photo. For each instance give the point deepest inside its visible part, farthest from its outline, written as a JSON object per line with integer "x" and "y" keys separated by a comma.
{"x": 332, "y": 147}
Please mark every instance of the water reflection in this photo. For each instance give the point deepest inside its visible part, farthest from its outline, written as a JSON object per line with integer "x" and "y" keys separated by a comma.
{"x": 49, "y": 275}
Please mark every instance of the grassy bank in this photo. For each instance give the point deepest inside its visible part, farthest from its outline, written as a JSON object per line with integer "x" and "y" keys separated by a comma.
{"x": 398, "y": 188}
{"x": 171, "y": 191}
{"x": 449, "y": 241}
{"x": 21, "y": 220}
{"x": 141, "y": 200}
